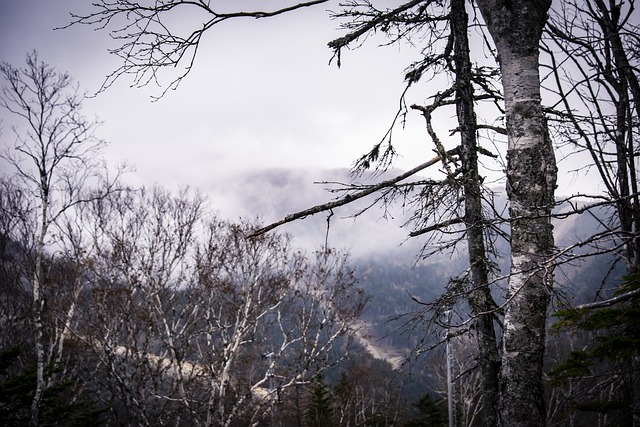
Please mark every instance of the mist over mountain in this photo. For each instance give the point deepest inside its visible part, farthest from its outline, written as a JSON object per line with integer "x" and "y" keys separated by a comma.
{"x": 379, "y": 243}
{"x": 271, "y": 194}
{"x": 387, "y": 260}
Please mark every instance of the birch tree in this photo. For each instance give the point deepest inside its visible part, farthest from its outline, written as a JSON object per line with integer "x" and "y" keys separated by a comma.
{"x": 55, "y": 159}
{"x": 516, "y": 28}
{"x": 136, "y": 319}
{"x": 190, "y": 322}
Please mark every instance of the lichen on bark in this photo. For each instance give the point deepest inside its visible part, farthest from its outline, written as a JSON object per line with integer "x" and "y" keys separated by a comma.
{"x": 516, "y": 27}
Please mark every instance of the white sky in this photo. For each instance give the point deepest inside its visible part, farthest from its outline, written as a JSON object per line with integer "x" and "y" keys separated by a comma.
{"x": 260, "y": 96}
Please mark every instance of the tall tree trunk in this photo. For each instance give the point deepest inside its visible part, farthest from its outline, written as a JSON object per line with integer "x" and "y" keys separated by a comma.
{"x": 516, "y": 27}
{"x": 480, "y": 299}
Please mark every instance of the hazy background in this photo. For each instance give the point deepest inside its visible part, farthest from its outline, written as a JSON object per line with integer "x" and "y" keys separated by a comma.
{"x": 261, "y": 116}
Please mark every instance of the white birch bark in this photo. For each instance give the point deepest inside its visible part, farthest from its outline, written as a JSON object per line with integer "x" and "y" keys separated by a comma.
{"x": 516, "y": 28}
{"x": 38, "y": 304}
{"x": 53, "y": 157}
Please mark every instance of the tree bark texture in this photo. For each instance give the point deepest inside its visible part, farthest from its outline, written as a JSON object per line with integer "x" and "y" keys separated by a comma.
{"x": 480, "y": 298}
{"x": 516, "y": 27}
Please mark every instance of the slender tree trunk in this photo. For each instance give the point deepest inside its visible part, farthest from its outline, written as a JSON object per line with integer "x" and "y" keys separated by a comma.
{"x": 516, "y": 27}
{"x": 480, "y": 300}
{"x": 624, "y": 205}
{"x": 38, "y": 307}
{"x": 63, "y": 333}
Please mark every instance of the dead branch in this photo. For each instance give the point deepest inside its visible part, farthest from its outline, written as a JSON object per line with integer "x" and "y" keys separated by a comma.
{"x": 150, "y": 41}
{"x": 344, "y": 41}
{"x": 344, "y": 200}
{"x": 438, "y": 226}
{"x": 610, "y": 301}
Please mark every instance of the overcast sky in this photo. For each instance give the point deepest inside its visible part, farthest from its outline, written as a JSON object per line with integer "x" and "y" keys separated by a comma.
{"x": 261, "y": 95}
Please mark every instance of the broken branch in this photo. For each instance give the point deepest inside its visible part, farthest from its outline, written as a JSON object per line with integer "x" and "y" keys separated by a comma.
{"x": 344, "y": 200}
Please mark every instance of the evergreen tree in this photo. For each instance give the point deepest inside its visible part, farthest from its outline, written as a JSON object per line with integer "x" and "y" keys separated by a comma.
{"x": 599, "y": 376}
{"x": 319, "y": 408}
{"x": 17, "y": 387}
{"x": 431, "y": 413}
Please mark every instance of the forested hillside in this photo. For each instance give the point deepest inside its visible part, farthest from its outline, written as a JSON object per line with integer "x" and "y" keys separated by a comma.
{"x": 133, "y": 334}
{"x": 128, "y": 321}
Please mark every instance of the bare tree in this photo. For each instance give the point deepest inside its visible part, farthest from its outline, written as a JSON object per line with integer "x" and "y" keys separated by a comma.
{"x": 593, "y": 75}
{"x": 135, "y": 317}
{"x": 284, "y": 309}
{"x": 191, "y": 322}
{"x": 597, "y": 104}
{"x": 55, "y": 159}
{"x": 450, "y": 210}
{"x": 469, "y": 397}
